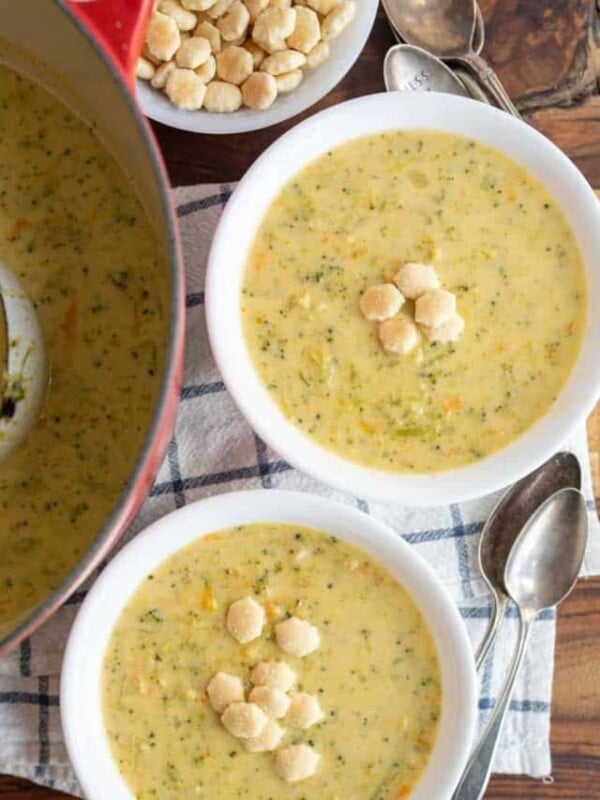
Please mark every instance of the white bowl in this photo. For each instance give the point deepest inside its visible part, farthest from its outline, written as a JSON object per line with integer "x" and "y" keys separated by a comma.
{"x": 80, "y": 699}
{"x": 345, "y": 49}
{"x": 236, "y": 231}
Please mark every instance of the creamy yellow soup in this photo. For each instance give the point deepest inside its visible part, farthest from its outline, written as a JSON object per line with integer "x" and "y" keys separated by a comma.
{"x": 497, "y": 240}
{"x": 76, "y": 236}
{"x": 376, "y": 672}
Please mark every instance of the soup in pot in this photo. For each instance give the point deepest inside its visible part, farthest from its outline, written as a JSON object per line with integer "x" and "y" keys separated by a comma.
{"x": 76, "y": 236}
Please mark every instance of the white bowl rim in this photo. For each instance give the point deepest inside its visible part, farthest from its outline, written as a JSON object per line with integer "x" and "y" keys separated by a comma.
{"x": 80, "y": 700}
{"x": 345, "y": 50}
{"x": 341, "y": 123}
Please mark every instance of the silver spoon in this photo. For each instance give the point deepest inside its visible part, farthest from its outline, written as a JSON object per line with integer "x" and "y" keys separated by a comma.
{"x": 408, "y": 68}
{"x": 541, "y": 570}
{"x": 506, "y": 522}
{"x": 471, "y": 84}
{"x": 447, "y": 30}
{"x": 478, "y": 35}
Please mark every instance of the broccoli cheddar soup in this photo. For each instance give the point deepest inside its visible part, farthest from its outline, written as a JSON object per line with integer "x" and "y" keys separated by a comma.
{"x": 75, "y": 235}
{"x": 271, "y": 661}
{"x": 414, "y": 301}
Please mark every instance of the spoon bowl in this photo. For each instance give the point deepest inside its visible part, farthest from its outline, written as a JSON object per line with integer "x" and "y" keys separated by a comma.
{"x": 515, "y": 508}
{"x": 441, "y": 28}
{"x": 409, "y": 68}
{"x": 478, "y": 35}
{"x": 505, "y": 523}
{"x": 546, "y": 558}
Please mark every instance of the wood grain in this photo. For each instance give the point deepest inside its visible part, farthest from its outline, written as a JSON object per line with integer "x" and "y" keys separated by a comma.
{"x": 547, "y": 54}
{"x": 575, "y": 130}
{"x": 544, "y": 52}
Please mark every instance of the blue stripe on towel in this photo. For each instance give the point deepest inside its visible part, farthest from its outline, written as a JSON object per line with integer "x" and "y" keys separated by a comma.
{"x": 175, "y": 470}
{"x": 215, "y": 478}
{"x": 204, "y": 202}
{"x": 462, "y": 554}
{"x": 201, "y": 389}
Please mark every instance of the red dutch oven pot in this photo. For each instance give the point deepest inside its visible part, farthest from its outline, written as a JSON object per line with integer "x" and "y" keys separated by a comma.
{"x": 88, "y": 49}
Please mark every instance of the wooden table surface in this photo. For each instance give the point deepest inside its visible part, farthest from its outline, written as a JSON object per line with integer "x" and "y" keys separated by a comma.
{"x": 547, "y": 54}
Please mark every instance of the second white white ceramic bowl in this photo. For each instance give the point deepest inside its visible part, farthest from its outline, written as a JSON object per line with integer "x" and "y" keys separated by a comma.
{"x": 344, "y": 50}
{"x": 236, "y": 231}
{"x": 80, "y": 696}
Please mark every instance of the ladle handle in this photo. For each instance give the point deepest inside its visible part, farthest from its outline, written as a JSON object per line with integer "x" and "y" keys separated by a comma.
{"x": 488, "y": 78}
{"x": 500, "y": 603}
{"x": 475, "y": 778}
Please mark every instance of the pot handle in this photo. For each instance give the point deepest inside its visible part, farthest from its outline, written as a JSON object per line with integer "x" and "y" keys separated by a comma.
{"x": 118, "y": 26}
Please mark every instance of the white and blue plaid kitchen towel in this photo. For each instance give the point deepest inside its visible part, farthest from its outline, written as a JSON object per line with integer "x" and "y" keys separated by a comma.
{"x": 214, "y": 450}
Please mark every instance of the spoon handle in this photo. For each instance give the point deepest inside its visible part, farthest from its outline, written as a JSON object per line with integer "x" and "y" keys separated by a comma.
{"x": 472, "y": 85}
{"x": 500, "y": 603}
{"x": 491, "y": 82}
{"x": 475, "y": 778}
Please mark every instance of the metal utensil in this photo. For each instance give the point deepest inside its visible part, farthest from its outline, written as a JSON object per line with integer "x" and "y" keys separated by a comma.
{"x": 478, "y": 35}
{"x": 447, "y": 30}
{"x": 506, "y": 522}
{"x": 479, "y": 32}
{"x": 408, "y": 68}
{"x": 23, "y": 371}
{"x": 473, "y": 87}
{"x": 541, "y": 570}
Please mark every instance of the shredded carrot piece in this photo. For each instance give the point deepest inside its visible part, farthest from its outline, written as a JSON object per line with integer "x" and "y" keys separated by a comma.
{"x": 452, "y": 403}
{"x": 272, "y": 610}
{"x": 209, "y": 601}
{"x": 18, "y": 229}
